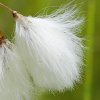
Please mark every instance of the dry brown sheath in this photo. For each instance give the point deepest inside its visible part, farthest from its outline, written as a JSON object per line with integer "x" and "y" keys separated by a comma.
{"x": 1, "y": 37}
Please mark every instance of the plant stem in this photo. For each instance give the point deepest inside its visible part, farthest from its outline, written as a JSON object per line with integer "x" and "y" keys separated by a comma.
{"x": 9, "y": 9}
{"x": 14, "y": 13}
{"x": 90, "y": 43}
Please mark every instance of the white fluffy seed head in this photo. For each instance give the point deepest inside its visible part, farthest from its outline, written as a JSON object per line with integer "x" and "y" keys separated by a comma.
{"x": 50, "y": 48}
{"x": 14, "y": 81}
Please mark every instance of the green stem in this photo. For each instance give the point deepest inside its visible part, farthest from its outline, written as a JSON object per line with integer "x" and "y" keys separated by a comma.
{"x": 89, "y": 65}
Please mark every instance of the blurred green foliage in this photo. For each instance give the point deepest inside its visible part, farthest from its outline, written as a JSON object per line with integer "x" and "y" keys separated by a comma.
{"x": 89, "y": 87}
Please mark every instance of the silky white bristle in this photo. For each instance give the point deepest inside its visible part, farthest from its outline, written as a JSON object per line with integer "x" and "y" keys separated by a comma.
{"x": 50, "y": 48}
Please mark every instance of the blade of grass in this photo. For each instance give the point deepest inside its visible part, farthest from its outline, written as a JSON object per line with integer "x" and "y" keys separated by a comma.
{"x": 90, "y": 35}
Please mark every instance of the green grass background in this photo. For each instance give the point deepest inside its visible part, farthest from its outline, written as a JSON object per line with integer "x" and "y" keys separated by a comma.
{"x": 89, "y": 87}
